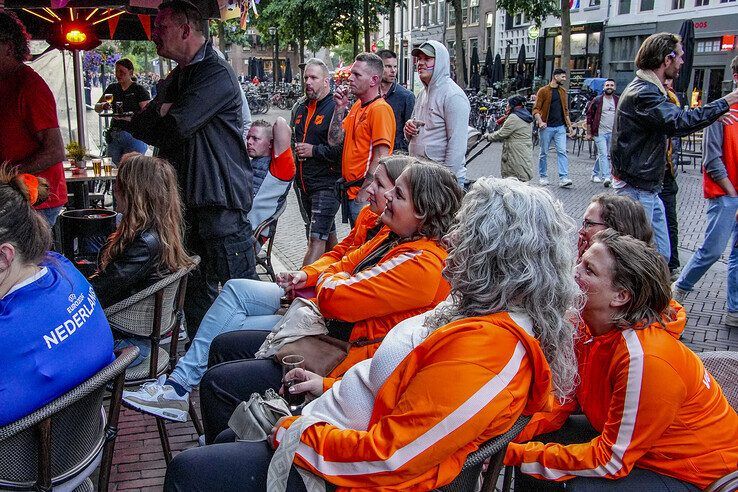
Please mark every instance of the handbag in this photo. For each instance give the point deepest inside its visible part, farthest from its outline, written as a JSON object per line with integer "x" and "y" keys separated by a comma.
{"x": 322, "y": 353}
{"x": 253, "y": 420}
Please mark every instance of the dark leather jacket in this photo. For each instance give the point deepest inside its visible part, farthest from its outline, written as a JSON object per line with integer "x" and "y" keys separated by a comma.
{"x": 644, "y": 121}
{"x": 201, "y": 134}
{"x": 135, "y": 269}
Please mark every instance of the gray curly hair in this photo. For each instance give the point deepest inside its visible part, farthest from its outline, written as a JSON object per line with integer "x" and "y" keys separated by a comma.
{"x": 510, "y": 249}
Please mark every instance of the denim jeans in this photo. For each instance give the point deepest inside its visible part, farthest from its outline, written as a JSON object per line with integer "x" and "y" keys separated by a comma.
{"x": 243, "y": 304}
{"x": 355, "y": 207}
{"x": 120, "y": 142}
{"x": 655, "y": 212}
{"x": 602, "y": 163}
{"x": 558, "y": 135}
{"x": 721, "y": 227}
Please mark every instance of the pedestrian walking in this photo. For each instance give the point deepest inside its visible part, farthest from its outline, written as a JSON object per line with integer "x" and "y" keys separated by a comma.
{"x": 600, "y": 119}
{"x": 720, "y": 182}
{"x": 516, "y": 138}
{"x": 645, "y": 120}
{"x": 551, "y": 111}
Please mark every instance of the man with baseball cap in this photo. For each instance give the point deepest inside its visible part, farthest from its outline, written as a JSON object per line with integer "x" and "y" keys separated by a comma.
{"x": 437, "y": 129}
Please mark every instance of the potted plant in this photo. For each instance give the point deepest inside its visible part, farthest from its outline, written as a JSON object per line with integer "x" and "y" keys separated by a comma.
{"x": 76, "y": 154}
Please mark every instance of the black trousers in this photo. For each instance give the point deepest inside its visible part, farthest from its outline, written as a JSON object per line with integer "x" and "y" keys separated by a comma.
{"x": 578, "y": 430}
{"x": 668, "y": 197}
{"x": 232, "y": 377}
{"x": 224, "y": 241}
{"x": 233, "y": 466}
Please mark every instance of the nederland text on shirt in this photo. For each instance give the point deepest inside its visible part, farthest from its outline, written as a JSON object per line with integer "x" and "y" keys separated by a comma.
{"x": 85, "y": 307}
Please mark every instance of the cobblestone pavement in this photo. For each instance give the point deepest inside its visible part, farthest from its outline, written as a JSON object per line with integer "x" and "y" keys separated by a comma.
{"x": 138, "y": 463}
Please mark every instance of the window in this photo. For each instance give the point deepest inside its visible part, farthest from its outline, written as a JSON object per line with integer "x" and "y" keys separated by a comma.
{"x": 624, "y": 49}
{"x": 594, "y": 3}
{"x": 416, "y": 14}
{"x": 701, "y": 3}
{"x": 677, "y": 4}
{"x": 451, "y": 15}
{"x": 424, "y": 12}
{"x": 473, "y": 45}
{"x": 465, "y": 11}
{"x": 519, "y": 20}
{"x": 432, "y": 18}
{"x": 440, "y": 12}
{"x": 489, "y": 22}
{"x": 711, "y": 45}
{"x": 624, "y": 6}
{"x": 726, "y": 1}
{"x": 474, "y": 12}
{"x": 451, "y": 51}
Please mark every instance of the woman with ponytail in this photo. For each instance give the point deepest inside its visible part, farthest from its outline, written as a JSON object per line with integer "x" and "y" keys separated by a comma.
{"x": 53, "y": 333}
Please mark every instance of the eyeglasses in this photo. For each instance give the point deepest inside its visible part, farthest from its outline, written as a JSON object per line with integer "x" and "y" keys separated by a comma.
{"x": 586, "y": 224}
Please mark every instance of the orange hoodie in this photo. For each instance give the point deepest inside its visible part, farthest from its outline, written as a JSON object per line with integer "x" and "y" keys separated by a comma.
{"x": 365, "y": 221}
{"x": 406, "y": 281}
{"x": 654, "y": 405}
{"x": 467, "y": 382}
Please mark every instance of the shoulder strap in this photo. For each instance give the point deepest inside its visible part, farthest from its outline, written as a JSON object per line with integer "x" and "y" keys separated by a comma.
{"x": 284, "y": 457}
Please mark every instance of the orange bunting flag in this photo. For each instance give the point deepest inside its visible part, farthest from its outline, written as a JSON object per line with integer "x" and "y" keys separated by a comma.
{"x": 146, "y": 24}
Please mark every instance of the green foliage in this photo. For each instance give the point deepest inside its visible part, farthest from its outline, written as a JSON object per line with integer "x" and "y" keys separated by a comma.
{"x": 534, "y": 9}
{"x": 232, "y": 31}
{"x": 76, "y": 151}
{"x": 141, "y": 52}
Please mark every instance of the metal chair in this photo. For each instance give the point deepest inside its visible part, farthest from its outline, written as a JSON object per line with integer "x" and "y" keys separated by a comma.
{"x": 264, "y": 240}
{"x": 61, "y": 444}
{"x": 723, "y": 366}
{"x": 152, "y": 313}
{"x": 492, "y": 450}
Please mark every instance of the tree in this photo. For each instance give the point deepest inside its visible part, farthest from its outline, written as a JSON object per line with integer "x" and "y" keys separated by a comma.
{"x": 458, "y": 43}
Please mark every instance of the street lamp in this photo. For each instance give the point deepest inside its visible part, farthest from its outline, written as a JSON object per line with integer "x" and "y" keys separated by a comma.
{"x": 275, "y": 71}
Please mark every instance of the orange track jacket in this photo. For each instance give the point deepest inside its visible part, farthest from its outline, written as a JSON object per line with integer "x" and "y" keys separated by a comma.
{"x": 466, "y": 383}
{"x": 365, "y": 221}
{"x": 653, "y": 403}
{"x": 406, "y": 281}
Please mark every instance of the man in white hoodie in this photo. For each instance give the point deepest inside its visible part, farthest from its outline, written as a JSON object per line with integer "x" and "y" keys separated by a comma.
{"x": 438, "y": 128}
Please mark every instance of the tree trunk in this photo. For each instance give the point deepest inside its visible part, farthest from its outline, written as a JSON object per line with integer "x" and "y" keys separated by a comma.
{"x": 391, "y": 32}
{"x": 459, "y": 44}
{"x": 367, "y": 41}
{"x": 355, "y": 37}
{"x": 221, "y": 39}
{"x": 565, "y": 38}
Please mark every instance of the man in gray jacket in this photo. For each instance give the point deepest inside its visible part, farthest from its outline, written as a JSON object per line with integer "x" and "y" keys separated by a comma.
{"x": 438, "y": 128}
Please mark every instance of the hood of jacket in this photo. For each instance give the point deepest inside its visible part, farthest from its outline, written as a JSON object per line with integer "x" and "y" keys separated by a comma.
{"x": 523, "y": 114}
{"x": 442, "y": 69}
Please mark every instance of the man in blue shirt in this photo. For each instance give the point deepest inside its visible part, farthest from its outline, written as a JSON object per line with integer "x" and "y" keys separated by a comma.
{"x": 400, "y": 99}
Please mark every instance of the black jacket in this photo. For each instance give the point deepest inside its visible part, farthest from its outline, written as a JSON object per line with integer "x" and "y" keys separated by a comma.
{"x": 402, "y": 102}
{"x": 201, "y": 133}
{"x": 644, "y": 121}
{"x": 323, "y": 169}
{"x": 132, "y": 271}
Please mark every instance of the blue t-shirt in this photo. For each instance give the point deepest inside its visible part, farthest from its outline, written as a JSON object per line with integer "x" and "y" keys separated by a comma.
{"x": 53, "y": 336}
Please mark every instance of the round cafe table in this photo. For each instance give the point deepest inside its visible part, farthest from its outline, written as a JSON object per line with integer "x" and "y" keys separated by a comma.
{"x": 78, "y": 182}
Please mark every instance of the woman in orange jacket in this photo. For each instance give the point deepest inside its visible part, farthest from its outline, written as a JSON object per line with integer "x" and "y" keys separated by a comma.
{"x": 394, "y": 276}
{"x": 441, "y": 382}
{"x": 661, "y": 420}
{"x": 246, "y": 304}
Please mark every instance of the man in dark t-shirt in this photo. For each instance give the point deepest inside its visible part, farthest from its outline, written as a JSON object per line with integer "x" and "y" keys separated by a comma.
{"x": 551, "y": 113}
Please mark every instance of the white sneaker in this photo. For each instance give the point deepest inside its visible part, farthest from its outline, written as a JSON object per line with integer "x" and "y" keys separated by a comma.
{"x": 596, "y": 179}
{"x": 159, "y": 399}
{"x": 543, "y": 181}
{"x": 678, "y": 294}
{"x": 565, "y": 183}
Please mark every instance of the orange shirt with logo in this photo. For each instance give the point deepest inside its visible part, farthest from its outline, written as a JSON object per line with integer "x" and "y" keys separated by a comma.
{"x": 365, "y": 127}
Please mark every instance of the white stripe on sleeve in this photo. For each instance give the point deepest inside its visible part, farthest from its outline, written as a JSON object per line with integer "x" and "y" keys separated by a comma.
{"x": 388, "y": 265}
{"x": 425, "y": 441}
{"x": 627, "y": 422}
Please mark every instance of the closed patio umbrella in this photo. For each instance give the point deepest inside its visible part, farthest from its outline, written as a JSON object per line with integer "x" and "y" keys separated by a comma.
{"x": 520, "y": 68}
{"x": 288, "y": 71}
{"x": 474, "y": 69}
{"x": 681, "y": 84}
{"x": 489, "y": 68}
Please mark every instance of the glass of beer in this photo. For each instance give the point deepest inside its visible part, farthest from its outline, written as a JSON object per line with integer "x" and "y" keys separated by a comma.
{"x": 108, "y": 98}
{"x": 108, "y": 165}
{"x": 97, "y": 166}
{"x": 294, "y": 400}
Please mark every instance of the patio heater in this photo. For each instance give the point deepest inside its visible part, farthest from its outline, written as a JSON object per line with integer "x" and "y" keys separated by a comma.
{"x": 275, "y": 67}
